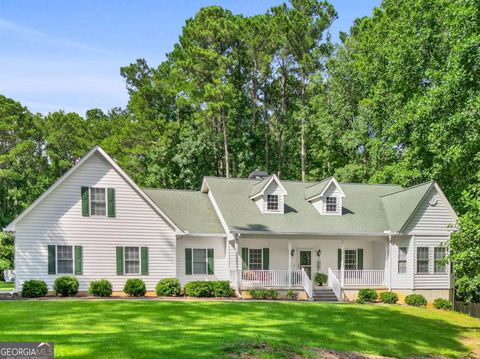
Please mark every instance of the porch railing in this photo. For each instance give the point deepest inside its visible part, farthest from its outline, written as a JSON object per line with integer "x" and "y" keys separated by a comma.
{"x": 334, "y": 283}
{"x": 270, "y": 278}
{"x": 367, "y": 277}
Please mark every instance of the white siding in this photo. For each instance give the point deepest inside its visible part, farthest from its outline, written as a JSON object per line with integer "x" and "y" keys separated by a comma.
{"x": 321, "y": 205}
{"x": 402, "y": 280}
{"x": 431, "y": 280}
{"x": 58, "y": 220}
{"x": 275, "y": 189}
{"x": 219, "y": 258}
{"x": 431, "y": 219}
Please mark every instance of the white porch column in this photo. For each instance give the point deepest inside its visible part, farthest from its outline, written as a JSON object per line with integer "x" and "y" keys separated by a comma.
{"x": 342, "y": 265}
{"x": 237, "y": 282}
{"x": 289, "y": 263}
{"x": 390, "y": 263}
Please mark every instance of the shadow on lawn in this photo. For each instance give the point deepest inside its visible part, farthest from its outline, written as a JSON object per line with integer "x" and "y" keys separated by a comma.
{"x": 154, "y": 329}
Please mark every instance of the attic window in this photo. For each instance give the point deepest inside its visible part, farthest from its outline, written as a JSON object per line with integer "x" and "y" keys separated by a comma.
{"x": 272, "y": 202}
{"x": 331, "y": 204}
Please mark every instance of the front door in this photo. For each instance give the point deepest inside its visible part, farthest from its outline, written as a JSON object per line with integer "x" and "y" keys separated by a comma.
{"x": 306, "y": 262}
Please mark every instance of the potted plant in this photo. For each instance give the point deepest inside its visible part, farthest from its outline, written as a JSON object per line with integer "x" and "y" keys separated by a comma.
{"x": 321, "y": 279}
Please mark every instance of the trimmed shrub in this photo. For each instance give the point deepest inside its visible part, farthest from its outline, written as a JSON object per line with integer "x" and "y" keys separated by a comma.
{"x": 135, "y": 287}
{"x": 100, "y": 288}
{"x": 416, "y": 300}
{"x": 291, "y": 295}
{"x": 263, "y": 294}
{"x": 321, "y": 278}
{"x": 389, "y": 297}
{"x": 168, "y": 287}
{"x": 443, "y": 304}
{"x": 34, "y": 289}
{"x": 367, "y": 295}
{"x": 221, "y": 288}
{"x": 199, "y": 288}
{"x": 66, "y": 286}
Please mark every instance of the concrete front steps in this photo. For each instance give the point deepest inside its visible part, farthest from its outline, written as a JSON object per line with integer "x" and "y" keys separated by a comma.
{"x": 324, "y": 294}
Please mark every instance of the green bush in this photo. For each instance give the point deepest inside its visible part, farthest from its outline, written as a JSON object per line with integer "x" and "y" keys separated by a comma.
{"x": 100, "y": 288}
{"x": 199, "y": 288}
{"x": 321, "y": 278}
{"x": 221, "y": 288}
{"x": 416, "y": 300}
{"x": 34, "y": 289}
{"x": 263, "y": 294}
{"x": 168, "y": 287}
{"x": 443, "y": 304}
{"x": 291, "y": 295}
{"x": 367, "y": 295}
{"x": 389, "y": 297}
{"x": 135, "y": 287}
{"x": 66, "y": 286}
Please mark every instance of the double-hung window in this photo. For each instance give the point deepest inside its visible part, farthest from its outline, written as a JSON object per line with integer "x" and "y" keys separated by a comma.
{"x": 132, "y": 260}
{"x": 422, "y": 259}
{"x": 350, "y": 259}
{"x": 64, "y": 259}
{"x": 199, "y": 261}
{"x": 272, "y": 202}
{"x": 402, "y": 260}
{"x": 98, "y": 202}
{"x": 255, "y": 259}
{"x": 439, "y": 260}
{"x": 331, "y": 204}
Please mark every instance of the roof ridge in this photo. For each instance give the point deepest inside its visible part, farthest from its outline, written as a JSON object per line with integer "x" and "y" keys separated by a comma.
{"x": 409, "y": 188}
{"x": 372, "y": 184}
{"x": 171, "y": 189}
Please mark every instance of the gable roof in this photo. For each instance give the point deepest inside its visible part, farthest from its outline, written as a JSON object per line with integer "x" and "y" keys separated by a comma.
{"x": 71, "y": 171}
{"x": 318, "y": 189}
{"x": 259, "y": 188}
{"x": 192, "y": 211}
{"x": 363, "y": 211}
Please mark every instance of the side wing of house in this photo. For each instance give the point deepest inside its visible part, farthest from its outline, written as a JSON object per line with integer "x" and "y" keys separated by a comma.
{"x": 119, "y": 236}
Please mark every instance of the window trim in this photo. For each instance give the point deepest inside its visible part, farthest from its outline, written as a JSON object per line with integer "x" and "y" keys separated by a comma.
{"x": 125, "y": 260}
{"x": 72, "y": 260}
{"x": 261, "y": 258}
{"x": 327, "y": 211}
{"x": 435, "y": 260}
{"x": 90, "y": 201}
{"x": 277, "y": 202}
{"x": 402, "y": 260}
{"x": 423, "y": 260}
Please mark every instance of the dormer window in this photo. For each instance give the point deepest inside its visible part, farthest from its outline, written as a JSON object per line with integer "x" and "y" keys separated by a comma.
{"x": 272, "y": 202}
{"x": 331, "y": 204}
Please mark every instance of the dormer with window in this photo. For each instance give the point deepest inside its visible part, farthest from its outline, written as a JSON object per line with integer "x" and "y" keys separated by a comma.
{"x": 326, "y": 196}
{"x": 269, "y": 195}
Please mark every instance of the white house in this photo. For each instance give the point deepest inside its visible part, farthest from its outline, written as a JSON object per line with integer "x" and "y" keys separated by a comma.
{"x": 95, "y": 222}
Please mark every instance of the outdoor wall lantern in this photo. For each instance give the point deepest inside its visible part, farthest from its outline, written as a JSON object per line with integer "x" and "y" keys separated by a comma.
{"x": 319, "y": 252}
{"x": 292, "y": 252}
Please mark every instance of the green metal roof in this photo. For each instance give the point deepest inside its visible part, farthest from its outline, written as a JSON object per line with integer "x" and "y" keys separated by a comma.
{"x": 363, "y": 210}
{"x": 192, "y": 211}
{"x": 400, "y": 205}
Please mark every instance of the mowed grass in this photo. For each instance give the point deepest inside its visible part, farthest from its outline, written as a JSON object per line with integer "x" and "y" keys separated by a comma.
{"x": 163, "y": 329}
{"x": 6, "y": 286}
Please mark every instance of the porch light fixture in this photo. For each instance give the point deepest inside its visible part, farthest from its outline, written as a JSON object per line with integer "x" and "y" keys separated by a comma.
{"x": 319, "y": 252}
{"x": 292, "y": 252}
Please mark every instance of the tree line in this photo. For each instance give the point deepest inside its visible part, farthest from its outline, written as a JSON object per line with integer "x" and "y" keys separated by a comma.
{"x": 396, "y": 101}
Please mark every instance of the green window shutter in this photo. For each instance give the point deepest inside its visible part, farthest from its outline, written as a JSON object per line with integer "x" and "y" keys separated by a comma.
{"x": 360, "y": 259}
{"x": 266, "y": 258}
{"x": 144, "y": 251}
{"x": 85, "y": 202}
{"x": 339, "y": 258}
{"x": 52, "y": 268}
{"x": 245, "y": 258}
{"x": 111, "y": 202}
{"x": 188, "y": 261}
{"x": 210, "y": 260}
{"x": 119, "y": 260}
{"x": 78, "y": 260}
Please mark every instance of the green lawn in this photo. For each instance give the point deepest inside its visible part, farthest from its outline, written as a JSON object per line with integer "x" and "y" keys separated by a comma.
{"x": 6, "y": 286}
{"x": 154, "y": 329}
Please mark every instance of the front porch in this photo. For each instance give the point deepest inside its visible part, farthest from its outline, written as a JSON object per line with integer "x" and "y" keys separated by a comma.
{"x": 349, "y": 263}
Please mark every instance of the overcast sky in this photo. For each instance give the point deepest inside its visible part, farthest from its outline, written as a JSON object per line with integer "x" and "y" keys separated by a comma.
{"x": 67, "y": 54}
